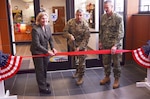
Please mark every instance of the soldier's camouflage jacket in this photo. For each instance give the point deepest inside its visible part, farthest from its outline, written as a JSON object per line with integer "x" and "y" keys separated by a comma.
{"x": 80, "y": 31}
{"x": 111, "y": 30}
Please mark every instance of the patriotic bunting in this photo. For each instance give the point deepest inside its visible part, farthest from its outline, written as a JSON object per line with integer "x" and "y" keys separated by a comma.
{"x": 9, "y": 65}
{"x": 140, "y": 55}
{"x": 141, "y": 58}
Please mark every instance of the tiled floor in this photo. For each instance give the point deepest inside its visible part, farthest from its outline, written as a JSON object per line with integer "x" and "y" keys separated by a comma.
{"x": 63, "y": 85}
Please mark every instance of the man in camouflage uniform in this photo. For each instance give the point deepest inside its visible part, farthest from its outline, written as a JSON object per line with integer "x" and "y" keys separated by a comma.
{"x": 111, "y": 32}
{"x": 77, "y": 33}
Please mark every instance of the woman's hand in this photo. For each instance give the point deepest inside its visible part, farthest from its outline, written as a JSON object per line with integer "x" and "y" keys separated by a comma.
{"x": 51, "y": 53}
{"x": 54, "y": 51}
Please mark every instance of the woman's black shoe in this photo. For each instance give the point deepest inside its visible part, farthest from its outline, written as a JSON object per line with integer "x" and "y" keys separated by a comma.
{"x": 45, "y": 91}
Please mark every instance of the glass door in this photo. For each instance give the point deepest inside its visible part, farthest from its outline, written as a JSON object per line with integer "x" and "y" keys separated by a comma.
{"x": 23, "y": 19}
{"x": 57, "y": 13}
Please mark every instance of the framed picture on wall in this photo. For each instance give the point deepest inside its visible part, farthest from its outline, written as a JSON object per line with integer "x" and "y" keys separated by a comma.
{"x": 91, "y": 9}
{"x": 17, "y": 16}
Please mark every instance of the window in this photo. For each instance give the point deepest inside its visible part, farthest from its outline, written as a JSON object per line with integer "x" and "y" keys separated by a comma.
{"x": 119, "y": 6}
{"x": 144, "y": 6}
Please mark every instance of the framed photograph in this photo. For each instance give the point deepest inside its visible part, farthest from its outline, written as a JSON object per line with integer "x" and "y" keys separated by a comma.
{"x": 17, "y": 16}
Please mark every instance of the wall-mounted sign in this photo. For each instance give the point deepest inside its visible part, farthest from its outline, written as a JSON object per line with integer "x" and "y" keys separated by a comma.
{"x": 87, "y": 15}
{"x": 54, "y": 16}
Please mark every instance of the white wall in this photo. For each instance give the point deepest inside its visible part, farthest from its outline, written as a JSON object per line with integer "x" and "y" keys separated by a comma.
{"x": 94, "y": 41}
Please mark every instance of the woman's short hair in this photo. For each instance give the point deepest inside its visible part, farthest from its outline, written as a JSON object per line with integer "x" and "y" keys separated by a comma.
{"x": 39, "y": 16}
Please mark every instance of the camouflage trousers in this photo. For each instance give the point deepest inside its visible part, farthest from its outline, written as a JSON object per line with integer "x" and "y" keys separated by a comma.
{"x": 78, "y": 61}
{"x": 79, "y": 64}
{"x": 107, "y": 62}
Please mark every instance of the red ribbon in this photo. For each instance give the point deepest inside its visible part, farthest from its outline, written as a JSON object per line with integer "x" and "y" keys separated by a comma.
{"x": 81, "y": 53}
{"x": 92, "y": 52}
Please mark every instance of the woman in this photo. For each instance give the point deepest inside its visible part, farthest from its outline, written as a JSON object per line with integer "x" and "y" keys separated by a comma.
{"x": 41, "y": 36}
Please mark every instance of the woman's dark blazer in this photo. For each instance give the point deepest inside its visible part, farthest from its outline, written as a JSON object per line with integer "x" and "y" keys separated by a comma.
{"x": 40, "y": 40}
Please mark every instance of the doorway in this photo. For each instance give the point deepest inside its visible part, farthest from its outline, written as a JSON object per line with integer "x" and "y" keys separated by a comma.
{"x": 59, "y": 24}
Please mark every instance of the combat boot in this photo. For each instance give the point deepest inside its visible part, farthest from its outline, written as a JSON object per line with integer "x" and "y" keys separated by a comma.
{"x": 116, "y": 83}
{"x": 105, "y": 80}
{"x": 80, "y": 81}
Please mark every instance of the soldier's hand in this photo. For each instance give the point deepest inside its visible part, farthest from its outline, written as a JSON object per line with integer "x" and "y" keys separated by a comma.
{"x": 72, "y": 38}
{"x": 100, "y": 46}
{"x": 113, "y": 50}
{"x": 77, "y": 49}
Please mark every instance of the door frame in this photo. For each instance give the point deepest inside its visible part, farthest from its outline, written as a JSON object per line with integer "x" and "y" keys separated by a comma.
{"x": 61, "y": 18}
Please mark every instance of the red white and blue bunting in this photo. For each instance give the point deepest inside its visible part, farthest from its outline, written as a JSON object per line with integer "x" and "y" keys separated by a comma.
{"x": 11, "y": 68}
{"x": 141, "y": 58}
